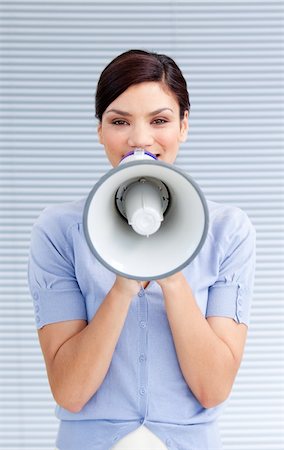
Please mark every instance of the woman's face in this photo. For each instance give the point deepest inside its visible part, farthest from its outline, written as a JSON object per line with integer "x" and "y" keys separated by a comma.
{"x": 146, "y": 116}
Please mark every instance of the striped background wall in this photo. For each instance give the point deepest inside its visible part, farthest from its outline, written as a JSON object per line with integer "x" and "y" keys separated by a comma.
{"x": 232, "y": 56}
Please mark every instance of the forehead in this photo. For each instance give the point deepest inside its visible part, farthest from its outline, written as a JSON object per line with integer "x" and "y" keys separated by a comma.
{"x": 147, "y": 96}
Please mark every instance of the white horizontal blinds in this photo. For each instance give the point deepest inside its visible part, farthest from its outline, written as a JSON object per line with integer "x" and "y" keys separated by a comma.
{"x": 51, "y": 56}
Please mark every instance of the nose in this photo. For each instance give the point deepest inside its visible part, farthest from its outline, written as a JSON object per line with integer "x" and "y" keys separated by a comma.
{"x": 140, "y": 137}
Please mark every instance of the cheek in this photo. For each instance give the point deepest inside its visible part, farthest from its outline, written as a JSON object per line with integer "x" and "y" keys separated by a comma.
{"x": 114, "y": 145}
{"x": 168, "y": 136}
{"x": 117, "y": 140}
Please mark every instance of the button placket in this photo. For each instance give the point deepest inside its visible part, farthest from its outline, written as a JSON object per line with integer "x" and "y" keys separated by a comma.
{"x": 142, "y": 352}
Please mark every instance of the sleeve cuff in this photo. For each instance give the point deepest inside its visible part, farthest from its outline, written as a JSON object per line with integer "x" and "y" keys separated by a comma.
{"x": 228, "y": 300}
{"x": 57, "y": 305}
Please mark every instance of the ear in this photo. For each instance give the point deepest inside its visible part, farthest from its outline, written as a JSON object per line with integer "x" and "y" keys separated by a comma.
{"x": 100, "y": 133}
{"x": 184, "y": 127}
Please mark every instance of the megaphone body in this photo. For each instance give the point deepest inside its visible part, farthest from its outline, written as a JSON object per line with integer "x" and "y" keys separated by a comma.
{"x": 145, "y": 219}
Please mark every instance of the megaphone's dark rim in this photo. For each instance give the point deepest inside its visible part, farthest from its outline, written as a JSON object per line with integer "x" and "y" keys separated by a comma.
{"x": 147, "y": 163}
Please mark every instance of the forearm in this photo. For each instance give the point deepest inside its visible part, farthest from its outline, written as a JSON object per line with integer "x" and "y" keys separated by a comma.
{"x": 205, "y": 360}
{"x": 82, "y": 362}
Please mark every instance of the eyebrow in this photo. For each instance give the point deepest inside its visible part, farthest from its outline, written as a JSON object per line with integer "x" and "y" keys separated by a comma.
{"x": 127, "y": 114}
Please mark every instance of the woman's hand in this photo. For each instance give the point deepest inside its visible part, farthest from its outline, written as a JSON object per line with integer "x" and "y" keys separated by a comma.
{"x": 127, "y": 286}
{"x": 172, "y": 281}
{"x": 132, "y": 287}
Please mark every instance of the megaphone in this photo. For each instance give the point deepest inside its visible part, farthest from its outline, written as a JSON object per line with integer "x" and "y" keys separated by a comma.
{"x": 145, "y": 219}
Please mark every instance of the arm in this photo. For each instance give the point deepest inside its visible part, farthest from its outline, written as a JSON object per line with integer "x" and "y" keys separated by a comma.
{"x": 77, "y": 355}
{"x": 209, "y": 350}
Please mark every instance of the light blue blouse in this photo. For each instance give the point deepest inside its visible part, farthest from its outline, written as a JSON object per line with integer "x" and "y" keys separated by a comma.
{"x": 144, "y": 383}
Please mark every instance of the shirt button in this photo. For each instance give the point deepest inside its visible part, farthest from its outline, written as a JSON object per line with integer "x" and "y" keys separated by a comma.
{"x": 141, "y": 421}
{"x": 141, "y": 293}
{"x": 115, "y": 438}
{"x": 36, "y": 308}
{"x": 142, "y": 357}
{"x": 37, "y": 319}
{"x": 168, "y": 443}
{"x": 142, "y": 324}
{"x": 35, "y": 295}
{"x": 142, "y": 391}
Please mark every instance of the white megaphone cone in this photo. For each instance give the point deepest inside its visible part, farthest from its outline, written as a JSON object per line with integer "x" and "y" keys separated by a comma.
{"x": 145, "y": 219}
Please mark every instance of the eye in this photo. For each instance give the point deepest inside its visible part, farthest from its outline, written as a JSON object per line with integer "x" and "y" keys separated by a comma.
{"x": 159, "y": 121}
{"x": 119, "y": 122}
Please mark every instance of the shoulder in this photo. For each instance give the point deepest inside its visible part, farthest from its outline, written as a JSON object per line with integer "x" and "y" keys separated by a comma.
{"x": 228, "y": 223}
{"x": 57, "y": 219}
{"x": 220, "y": 212}
{"x": 223, "y": 215}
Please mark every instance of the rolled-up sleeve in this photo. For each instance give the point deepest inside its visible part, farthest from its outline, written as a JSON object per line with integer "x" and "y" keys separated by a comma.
{"x": 231, "y": 294}
{"x": 51, "y": 275}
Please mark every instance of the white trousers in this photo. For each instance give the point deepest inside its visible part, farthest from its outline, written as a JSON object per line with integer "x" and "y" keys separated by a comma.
{"x": 140, "y": 439}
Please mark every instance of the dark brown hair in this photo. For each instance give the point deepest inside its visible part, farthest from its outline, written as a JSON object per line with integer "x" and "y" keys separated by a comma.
{"x": 138, "y": 66}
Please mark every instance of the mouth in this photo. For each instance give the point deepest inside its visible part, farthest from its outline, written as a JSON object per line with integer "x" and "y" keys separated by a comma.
{"x": 157, "y": 155}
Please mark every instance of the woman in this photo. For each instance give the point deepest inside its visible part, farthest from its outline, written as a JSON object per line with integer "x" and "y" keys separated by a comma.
{"x": 126, "y": 361}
